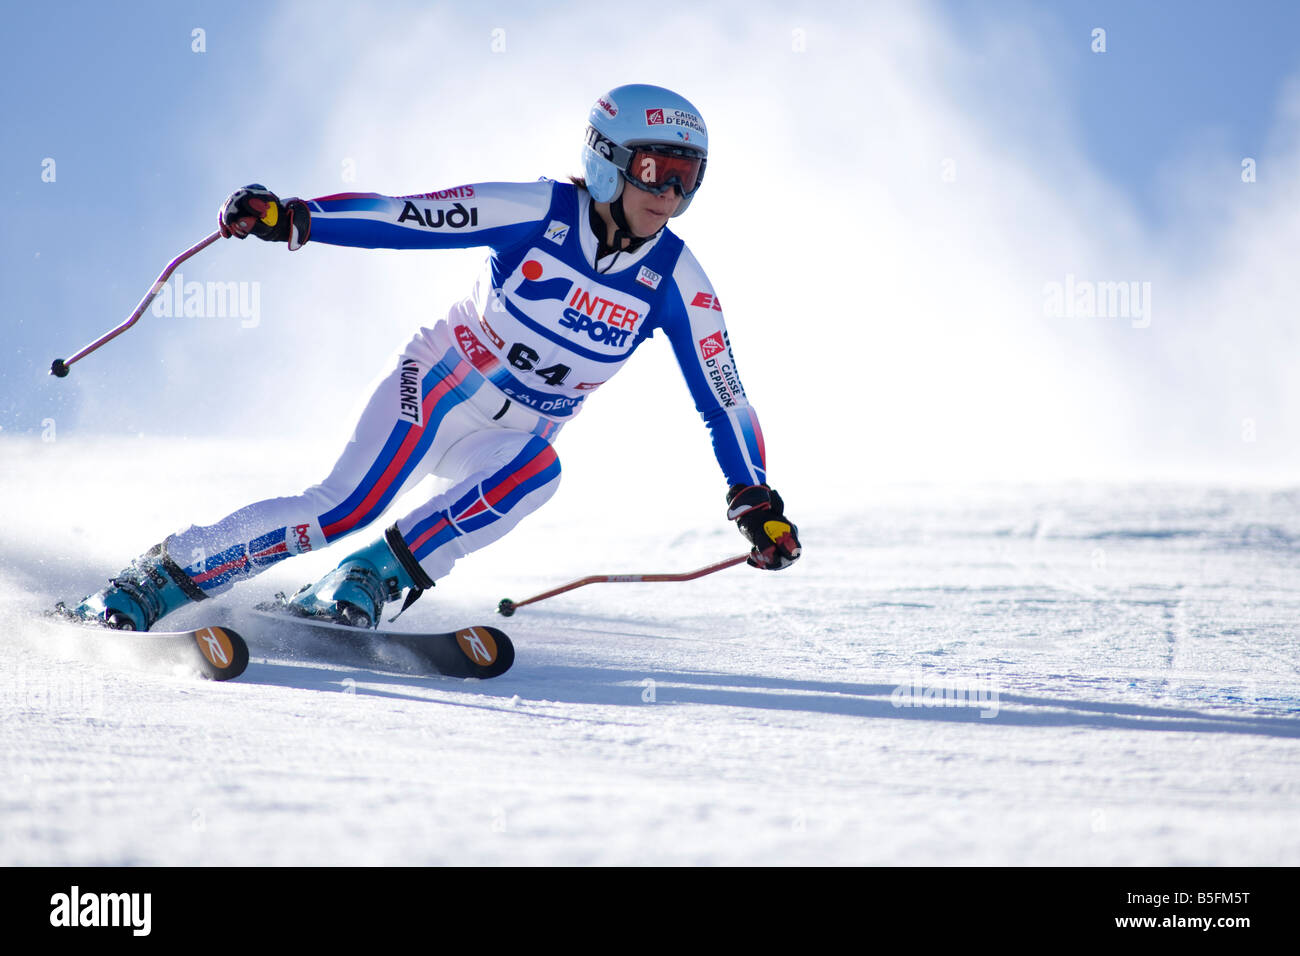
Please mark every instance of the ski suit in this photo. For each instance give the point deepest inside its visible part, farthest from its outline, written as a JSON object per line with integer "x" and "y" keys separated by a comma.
{"x": 480, "y": 397}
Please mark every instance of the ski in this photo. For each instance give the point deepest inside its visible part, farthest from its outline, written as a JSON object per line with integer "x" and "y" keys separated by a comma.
{"x": 480, "y": 652}
{"x": 213, "y": 653}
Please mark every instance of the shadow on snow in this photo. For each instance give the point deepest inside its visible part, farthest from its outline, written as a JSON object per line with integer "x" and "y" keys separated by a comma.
{"x": 611, "y": 687}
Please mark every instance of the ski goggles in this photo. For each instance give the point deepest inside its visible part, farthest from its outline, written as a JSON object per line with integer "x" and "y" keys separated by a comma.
{"x": 657, "y": 169}
{"x": 654, "y": 167}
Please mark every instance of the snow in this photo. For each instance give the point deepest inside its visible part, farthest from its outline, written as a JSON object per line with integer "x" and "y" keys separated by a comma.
{"x": 972, "y": 674}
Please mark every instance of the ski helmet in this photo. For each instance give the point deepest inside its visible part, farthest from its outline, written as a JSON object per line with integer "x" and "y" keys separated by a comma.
{"x": 647, "y": 136}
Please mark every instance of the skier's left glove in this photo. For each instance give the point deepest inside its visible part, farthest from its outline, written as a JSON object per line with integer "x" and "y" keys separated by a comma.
{"x": 255, "y": 210}
{"x": 759, "y": 512}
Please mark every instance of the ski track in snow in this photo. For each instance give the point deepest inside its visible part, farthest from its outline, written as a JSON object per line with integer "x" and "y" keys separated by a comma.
{"x": 1063, "y": 674}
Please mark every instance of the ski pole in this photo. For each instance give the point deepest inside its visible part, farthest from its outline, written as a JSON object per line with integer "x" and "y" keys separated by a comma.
{"x": 508, "y": 607}
{"x": 60, "y": 367}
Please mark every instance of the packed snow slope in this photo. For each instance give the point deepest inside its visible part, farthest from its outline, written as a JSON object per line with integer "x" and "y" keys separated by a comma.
{"x": 982, "y": 674}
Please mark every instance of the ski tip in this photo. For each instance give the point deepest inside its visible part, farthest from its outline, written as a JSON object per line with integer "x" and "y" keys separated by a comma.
{"x": 488, "y": 650}
{"x": 223, "y": 653}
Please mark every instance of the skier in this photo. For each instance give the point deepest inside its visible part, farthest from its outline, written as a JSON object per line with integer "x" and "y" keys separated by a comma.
{"x": 580, "y": 273}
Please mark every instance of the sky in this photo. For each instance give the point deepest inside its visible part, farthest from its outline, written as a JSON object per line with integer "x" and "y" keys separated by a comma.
{"x": 954, "y": 240}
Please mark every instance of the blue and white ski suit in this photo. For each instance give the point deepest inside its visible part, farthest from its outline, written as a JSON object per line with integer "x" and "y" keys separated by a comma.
{"x": 480, "y": 397}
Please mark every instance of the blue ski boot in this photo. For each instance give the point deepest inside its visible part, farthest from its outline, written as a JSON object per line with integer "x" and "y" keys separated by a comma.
{"x": 354, "y": 593}
{"x": 153, "y": 585}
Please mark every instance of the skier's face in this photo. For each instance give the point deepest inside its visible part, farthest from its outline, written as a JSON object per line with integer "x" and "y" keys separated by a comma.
{"x": 647, "y": 213}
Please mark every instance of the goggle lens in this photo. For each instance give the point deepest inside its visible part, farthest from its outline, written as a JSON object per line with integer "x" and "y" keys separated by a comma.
{"x": 657, "y": 171}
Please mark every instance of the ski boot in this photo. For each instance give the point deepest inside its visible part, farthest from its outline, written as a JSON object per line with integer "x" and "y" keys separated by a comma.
{"x": 354, "y": 593}
{"x": 151, "y": 586}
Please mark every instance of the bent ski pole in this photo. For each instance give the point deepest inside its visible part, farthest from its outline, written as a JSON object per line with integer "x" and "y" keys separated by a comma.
{"x": 60, "y": 367}
{"x": 508, "y": 607}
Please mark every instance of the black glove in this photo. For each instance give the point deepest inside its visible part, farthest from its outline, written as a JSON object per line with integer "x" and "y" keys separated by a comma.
{"x": 759, "y": 512}
{"x": 256, "y": 210}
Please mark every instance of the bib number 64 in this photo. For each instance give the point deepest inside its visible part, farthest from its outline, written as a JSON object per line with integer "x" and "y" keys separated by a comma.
{"x": 525, "y": 359}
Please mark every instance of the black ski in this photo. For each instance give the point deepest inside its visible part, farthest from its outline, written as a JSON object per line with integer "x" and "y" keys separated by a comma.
{"x": 214, "y": 653}
{"x": 469, "y": 652}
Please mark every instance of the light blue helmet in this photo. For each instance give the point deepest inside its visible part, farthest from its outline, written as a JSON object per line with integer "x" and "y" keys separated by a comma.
{"x": 648, "y": 116}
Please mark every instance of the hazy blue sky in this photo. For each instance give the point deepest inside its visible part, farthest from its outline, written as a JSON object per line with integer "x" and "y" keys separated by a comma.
{"x": 1174, "y": 73}
{"x": 923, "y": 174}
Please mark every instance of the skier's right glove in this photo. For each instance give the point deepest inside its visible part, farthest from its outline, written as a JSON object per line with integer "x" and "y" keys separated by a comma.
{"x": 257, "y": 211}
{"x": 759, "y": 512}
